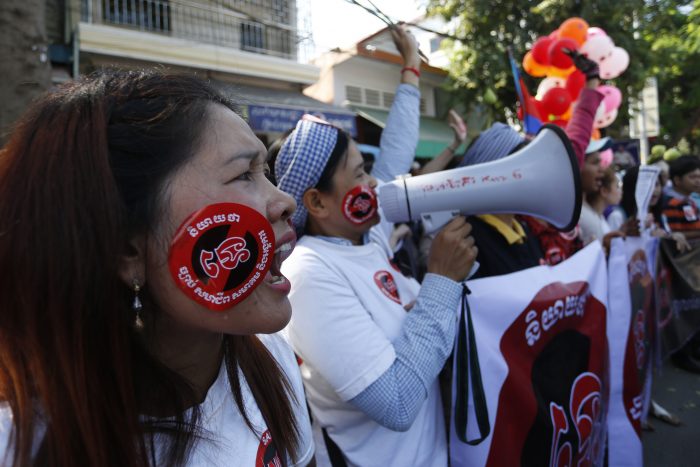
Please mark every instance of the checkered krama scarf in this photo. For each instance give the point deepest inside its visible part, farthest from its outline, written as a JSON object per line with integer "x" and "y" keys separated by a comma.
{"x": 302, "y": 159}
{"x": 493, "y": 144}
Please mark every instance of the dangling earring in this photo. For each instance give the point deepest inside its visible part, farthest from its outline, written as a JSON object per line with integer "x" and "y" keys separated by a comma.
{"x": 137, "y": 306}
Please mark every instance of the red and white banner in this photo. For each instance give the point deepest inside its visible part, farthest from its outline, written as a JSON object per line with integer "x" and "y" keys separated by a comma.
{"x": 543, "y": 356}
{"x": 631, "y": 331}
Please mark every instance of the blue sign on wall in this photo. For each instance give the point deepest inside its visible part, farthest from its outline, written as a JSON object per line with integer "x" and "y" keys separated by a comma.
{"x": 280, "y": 119}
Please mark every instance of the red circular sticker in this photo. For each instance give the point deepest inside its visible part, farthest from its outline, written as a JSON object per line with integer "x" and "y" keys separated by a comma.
{"x": 221, "y": 253}
{"x": 385, "y": 282}
{"x": 360, "y": 204}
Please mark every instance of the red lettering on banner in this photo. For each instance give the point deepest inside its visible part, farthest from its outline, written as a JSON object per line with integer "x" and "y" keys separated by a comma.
{"x": 549, "y": 407}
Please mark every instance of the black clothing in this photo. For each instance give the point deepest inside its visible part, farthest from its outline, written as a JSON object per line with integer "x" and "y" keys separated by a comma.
{"x": 496, "y": 256}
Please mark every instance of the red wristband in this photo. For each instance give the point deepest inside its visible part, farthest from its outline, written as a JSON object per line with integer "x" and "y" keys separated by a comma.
{"x": 415, "y": 71}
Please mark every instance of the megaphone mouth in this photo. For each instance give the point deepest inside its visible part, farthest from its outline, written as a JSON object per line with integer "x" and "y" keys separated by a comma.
{"x": 575, "y": 173}
{"x": 538, "y": 180}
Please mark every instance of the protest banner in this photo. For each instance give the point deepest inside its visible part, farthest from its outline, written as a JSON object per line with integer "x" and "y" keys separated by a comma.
{"x": 543, "y": 355}
{"x": 678, "y": 296}
{"x": 631, "y": 331}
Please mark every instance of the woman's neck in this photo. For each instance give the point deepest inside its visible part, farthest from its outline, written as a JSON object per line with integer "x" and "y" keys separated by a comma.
{"x": 598, "y": 204}
{"x": 194, "y": 355}
{"x": 319, "y": 229}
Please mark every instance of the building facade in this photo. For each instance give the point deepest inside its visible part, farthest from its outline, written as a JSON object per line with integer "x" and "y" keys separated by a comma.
{"x": 364, "y": 79}
{"x": 251, "y": 48}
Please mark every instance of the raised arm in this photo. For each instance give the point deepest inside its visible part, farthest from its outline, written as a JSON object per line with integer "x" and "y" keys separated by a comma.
{"x": 580, "y": 127}
{"x": 400, "y": 135}
{"x": 459, "y": 128}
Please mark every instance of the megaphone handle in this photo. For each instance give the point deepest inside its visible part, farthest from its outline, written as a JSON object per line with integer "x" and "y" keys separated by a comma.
{"x": 434, "y": 221}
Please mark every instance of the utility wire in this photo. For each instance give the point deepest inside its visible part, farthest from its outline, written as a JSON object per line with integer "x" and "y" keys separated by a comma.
{"x": 379, "y": 14}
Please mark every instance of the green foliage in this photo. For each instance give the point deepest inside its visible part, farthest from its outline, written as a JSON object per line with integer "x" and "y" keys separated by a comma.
{"x": 661, "y": 37}
{"x": 674, "y": 43}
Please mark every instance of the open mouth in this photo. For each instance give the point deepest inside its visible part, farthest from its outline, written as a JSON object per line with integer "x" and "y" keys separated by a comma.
{"x": 274, "y": 275}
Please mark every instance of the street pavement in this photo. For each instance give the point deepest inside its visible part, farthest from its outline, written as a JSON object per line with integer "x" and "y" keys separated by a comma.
{"x": 678, "y": 391}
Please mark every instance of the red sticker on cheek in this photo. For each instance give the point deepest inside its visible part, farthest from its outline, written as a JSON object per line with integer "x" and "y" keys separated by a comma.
{"x": 221, "y": 253}
{"x": 360, "y": 204}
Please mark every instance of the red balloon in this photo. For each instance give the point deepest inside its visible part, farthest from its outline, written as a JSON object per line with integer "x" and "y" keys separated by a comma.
{"x": 557, "y": 57}
{"x": 575, "y": 83}
{"x": 540, "y": 50}
{"x": 556, "y": 101}
{"x": 542, "y": 112}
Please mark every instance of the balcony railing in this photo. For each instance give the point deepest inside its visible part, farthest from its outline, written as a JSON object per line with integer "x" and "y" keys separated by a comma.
{"x": 207, "y": 21}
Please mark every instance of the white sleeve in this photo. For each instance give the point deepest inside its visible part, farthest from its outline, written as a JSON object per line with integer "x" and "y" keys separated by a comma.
{"x": 400, "y": 135}
{"x": 6, "y": 453}
{"x": 334, "y": 333}
{"x": 288, "y": 363}
{"x": 616, "y": 219}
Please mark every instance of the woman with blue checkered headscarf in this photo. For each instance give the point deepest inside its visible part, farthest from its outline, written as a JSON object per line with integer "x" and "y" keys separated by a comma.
{"x": 370, "y": 367}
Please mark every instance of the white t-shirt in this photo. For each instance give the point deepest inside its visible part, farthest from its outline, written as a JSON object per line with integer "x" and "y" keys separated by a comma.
{"x": 232, "y": 443}
{"x": 348, "y": 304}
{"x": 593, "y": 225}
{"x": 616, "y": 218}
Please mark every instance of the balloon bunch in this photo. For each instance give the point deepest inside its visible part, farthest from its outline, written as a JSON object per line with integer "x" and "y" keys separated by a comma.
{"x": 559, "y": 90}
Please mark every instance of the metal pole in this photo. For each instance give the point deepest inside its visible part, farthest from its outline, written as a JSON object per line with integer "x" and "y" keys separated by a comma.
{"x": 643, "y": 141}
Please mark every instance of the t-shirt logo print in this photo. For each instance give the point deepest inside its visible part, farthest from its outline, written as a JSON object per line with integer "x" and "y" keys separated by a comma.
{"x": 385, "y": 282}
{"x": 227, "y": 255}
{"x": 267, "y": 452}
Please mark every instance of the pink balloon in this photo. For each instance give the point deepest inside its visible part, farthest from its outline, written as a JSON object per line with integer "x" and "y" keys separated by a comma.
{"x": 607, "y": 119}
{"x": 598, "y": 48}
{"x": 599, "y": 113}
{"x": 613, "y": 97}
{"x": 614, "y": 65}
{"x": 606, "y": 158}
{"x": 594, "y": 31}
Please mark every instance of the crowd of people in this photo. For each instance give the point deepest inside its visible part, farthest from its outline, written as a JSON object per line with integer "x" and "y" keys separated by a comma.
{"x": 117, "y": 185}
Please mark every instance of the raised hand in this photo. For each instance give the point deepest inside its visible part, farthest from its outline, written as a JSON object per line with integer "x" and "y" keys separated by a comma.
{"x": 406, "y": 44}
{"x": 458, "y": 127}
{"x": 453, "y": 252}
{"x": 587, "y": 66}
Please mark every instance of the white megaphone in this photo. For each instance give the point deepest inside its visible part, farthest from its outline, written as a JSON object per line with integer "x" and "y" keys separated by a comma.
{"x": 541, "y": 180}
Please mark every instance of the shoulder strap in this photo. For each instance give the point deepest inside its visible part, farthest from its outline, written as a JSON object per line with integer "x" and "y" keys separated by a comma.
{"x": 468, "y": 376}
{"x": 334, "y": 453}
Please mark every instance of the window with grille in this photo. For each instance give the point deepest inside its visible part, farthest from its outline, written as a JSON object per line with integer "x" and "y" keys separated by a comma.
{"x": 353, "y": 94}
{"x": 388, "y": 98}
{"x": 252, "y": 36}
{"x": 152, "y": 15}
{"x": 372, "y": 97}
